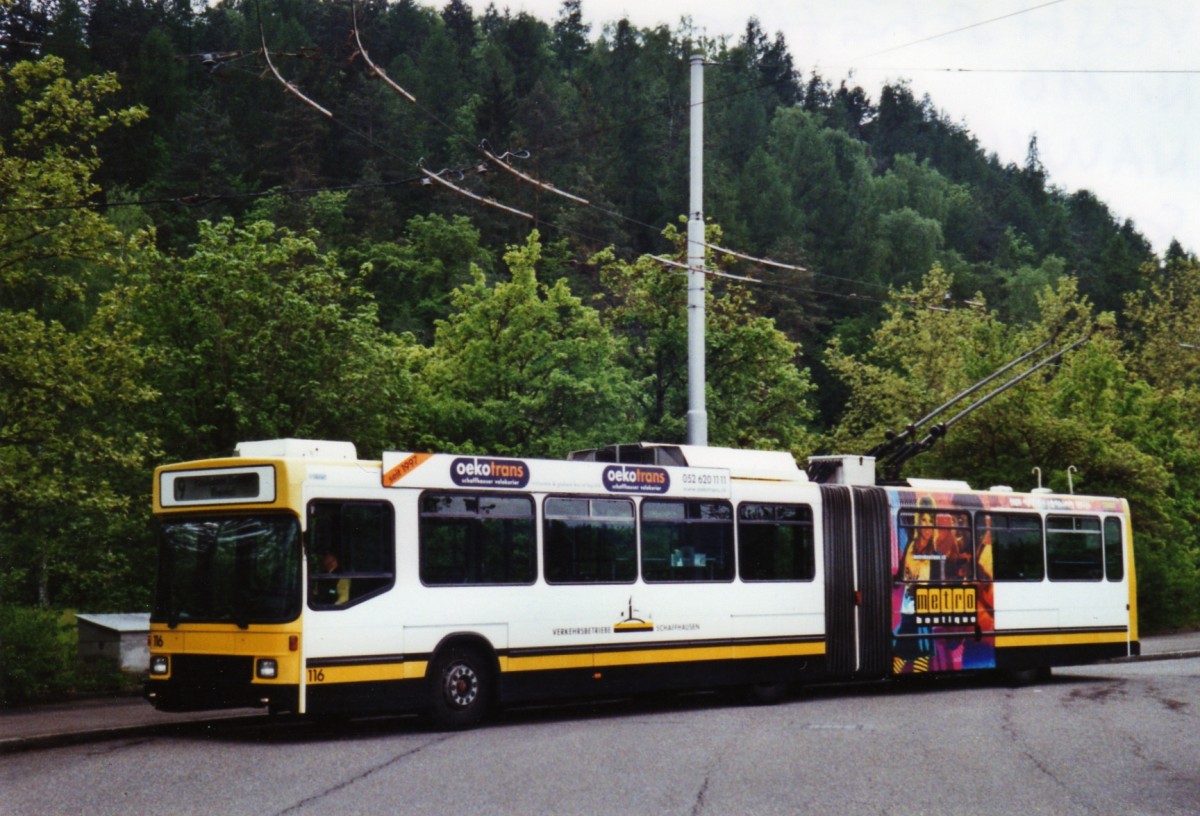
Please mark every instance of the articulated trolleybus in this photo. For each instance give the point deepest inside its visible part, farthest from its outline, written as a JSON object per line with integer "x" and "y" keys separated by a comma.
{"x": 295, "y": 576}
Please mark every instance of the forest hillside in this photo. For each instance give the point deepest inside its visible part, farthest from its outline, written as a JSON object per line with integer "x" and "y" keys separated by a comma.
{"x": 425, "y": 228}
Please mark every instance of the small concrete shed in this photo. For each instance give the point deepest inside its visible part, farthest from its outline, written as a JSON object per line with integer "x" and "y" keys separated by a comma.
{"x": 120, "y": 638}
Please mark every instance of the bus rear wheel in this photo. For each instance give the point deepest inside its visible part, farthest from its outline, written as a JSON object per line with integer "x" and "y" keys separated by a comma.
{"x": 461, "y": 688}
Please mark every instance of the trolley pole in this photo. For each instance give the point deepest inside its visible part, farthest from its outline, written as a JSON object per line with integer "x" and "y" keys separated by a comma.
{"x": 697, "y": 416}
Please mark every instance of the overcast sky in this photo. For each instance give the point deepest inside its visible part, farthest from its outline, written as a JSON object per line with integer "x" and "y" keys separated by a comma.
{"x": 1110, "y": 87}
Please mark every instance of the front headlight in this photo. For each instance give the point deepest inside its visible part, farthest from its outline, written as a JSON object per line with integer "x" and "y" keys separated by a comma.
{"x": 160, "y": 665}
{"x": 267, "y": 669}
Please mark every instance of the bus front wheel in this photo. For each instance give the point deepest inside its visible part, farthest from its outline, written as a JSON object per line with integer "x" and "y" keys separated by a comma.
{"x": 461, "y": 688}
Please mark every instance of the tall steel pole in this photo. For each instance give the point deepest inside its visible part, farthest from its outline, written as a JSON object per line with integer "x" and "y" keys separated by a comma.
{"x": 697, "y": 416}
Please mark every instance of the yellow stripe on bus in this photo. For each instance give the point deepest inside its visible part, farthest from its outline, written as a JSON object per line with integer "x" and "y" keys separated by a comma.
{"x": 750, "y": 650}
{"x": 717, "y": 652}
{"x": 360, "y": 674}
{"x": 640, "y": 657}
{"x": 1060, "y": 639}
{"x": 578, "y": 660}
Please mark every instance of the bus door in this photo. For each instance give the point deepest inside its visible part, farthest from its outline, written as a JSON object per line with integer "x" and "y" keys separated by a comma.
{"x": 874, "y": 570}
{"x": 352, "y": 654}
{"x": 942, "y": 599}
{"x": 857, "y": 580}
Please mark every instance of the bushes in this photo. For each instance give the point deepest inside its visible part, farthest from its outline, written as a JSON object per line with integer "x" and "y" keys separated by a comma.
{"x": 37, "y": 655}
{"x": 39, "y": 659}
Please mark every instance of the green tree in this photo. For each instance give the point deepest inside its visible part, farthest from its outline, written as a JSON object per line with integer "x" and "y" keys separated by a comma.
{"x": 523, "y": 367}
{"x": 49, "y": 238}
{"x": 920, "y": 356}
{"x": 1165, "y": 325}
{"x": 460, "y": 24}
{"x": 828, "y": 177}
{"x": 1023, "y": 286}
{"x": 497, "y": 82}
{"x": 756, "y": 393}
{"x": 69, "y": 462}
{"x": 630, "y": 80}
{"x": 570, "y": 35}
{"x": 443, "y": 92}
{"x": 257, "y": 334}
{"x": 66, "y": 37}
{"x": 905, "y": 245}
{"x": 413, "y": 279}
{"x": 1163, "y": 348}
{"x": 70, "y": 370}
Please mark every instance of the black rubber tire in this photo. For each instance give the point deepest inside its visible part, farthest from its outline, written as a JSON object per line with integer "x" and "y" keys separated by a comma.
{"x": 460, "y": 688}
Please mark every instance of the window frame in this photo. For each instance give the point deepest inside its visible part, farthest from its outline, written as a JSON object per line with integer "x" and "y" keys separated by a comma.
{"x": 806, "y": 523}
{"x": 1119, "y": 549}
{"x": 1004, "y": 514}
{"x": 690, "y": 529}
{"x": 475, "y": 539}
{"x": 1056, "y": 533}
{"x": 386, "y": 543}
{"x": 908, "y": 530}
{"x": 600, "y": 522}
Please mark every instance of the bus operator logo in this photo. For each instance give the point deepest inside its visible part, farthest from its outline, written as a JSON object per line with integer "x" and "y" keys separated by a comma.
{"x": 628, "y": 479}
{"x": 486, "y": 472}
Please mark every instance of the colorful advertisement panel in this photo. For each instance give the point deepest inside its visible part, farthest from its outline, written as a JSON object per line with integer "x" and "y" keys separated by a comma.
{"x": 943, "y": 616}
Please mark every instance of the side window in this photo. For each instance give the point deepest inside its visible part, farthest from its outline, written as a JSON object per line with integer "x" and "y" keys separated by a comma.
{"x": 1114, "y": 549}
{"x": 775, "y": 542}
{"x": 589, "y": 541}
{"x": 1074, "y": 549}
{"x": 476, "y": 539}
{"x": 1010, "y": 546}
{"x": 936, "y": 545}
{"x": 351, "y": 551}
{"x": 687, "y": 541}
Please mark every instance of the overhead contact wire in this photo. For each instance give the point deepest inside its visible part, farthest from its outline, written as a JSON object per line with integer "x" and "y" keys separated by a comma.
{"x": 288, "y": 85}
{"x": 379, "y": 72}
{"x": 491, "y": 202}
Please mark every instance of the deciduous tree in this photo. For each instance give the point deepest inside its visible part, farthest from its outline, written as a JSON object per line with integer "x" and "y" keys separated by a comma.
{"x": 757, "y": 394}
{"x": 70, "y": 370}
{"x": 257, "y": 335}
{"x": 524, "y": 367}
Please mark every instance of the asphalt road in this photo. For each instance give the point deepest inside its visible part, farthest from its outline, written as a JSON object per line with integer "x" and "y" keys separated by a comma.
{"x": 1109, "y": 739}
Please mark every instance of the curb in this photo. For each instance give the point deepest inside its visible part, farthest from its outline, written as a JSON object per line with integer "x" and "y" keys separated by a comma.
{"x": 1150, "y": 658}
{"x": 16, "y": 745}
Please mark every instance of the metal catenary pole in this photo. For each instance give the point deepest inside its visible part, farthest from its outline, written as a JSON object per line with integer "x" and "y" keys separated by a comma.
{"x": 697, "y": 416}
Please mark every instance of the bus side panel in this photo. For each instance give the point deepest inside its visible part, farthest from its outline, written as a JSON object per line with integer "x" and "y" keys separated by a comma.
{"x": 384, "y": 696}
{"x": 1063, "y": 653}
{"x": 658, "y": 672}
{"x": 1060, "y": 623}
{"x": 838, "y": 538}
{"x": 1065, "y": 622}
{"x": 874, "y": 549}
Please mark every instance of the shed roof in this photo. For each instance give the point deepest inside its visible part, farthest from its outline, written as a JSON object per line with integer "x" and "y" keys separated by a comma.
{"x": 119, "y": 621}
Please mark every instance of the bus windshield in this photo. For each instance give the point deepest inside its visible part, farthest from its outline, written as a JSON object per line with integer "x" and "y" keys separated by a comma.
{"x": 234, "y": 569}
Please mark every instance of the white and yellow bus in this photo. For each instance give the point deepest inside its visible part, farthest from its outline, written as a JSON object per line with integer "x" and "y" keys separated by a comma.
{"x": 295, "y": 576}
